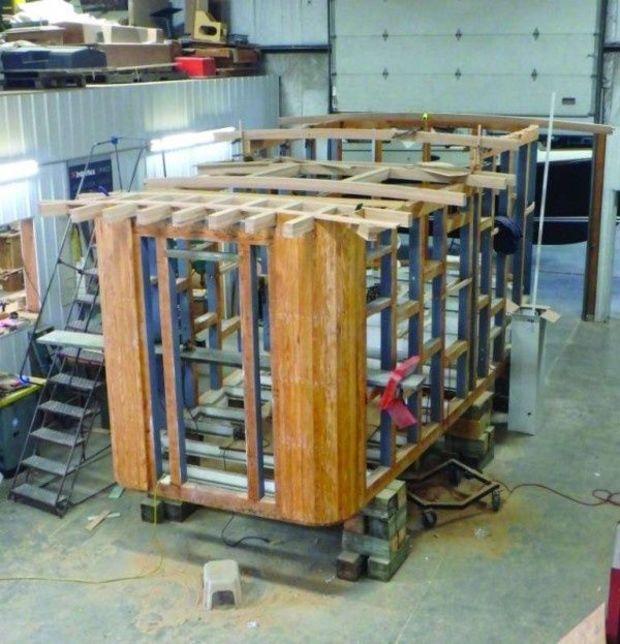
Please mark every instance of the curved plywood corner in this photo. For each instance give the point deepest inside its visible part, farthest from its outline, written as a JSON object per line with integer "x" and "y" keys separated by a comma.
{"x": 318, "y": 372}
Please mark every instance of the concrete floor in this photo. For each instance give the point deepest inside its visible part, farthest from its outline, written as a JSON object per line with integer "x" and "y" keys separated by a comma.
{"x": 526, "y": 574}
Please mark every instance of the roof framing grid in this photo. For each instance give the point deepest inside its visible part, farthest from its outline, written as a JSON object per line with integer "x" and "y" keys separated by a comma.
{"x": 498, "y": 123}
{"x": 360, "y": 171}
{"x": 419, "y": 133}
{"x": 229, "y": 216}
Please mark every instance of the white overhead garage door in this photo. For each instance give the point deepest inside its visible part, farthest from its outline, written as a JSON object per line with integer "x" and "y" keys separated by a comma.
{"x": 500, "y": 56}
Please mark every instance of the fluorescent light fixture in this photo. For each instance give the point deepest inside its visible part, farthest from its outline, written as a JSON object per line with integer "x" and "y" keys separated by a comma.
{"x": 190, "y": 139}
{"x": 18, "y": 170}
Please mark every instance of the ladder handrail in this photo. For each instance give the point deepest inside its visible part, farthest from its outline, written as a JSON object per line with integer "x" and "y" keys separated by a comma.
{"x": 31, "y": 340}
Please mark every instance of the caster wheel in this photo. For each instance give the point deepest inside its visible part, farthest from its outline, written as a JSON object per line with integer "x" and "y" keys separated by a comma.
{"x": 429, "y": 518}
{"x": 455, "y": 476}
{"x": 496, "y": 500}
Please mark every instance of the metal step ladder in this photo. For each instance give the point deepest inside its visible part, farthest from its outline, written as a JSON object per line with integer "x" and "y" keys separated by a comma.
{"x": 73, "y": 396}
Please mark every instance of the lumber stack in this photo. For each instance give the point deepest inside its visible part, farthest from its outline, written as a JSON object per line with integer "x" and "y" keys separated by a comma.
{"x": 472, "y": 437}
{"x": 230, "y": 60}
{"x": 376, "y": 541}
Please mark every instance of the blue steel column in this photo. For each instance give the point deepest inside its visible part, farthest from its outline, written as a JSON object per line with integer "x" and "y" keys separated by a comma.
{"x": 438, "y": 317}
{"x": 500, "y": 268}
{"x": 263, "y": 255}
{"x": 462, "y": 379}
{"x": 529, "y": 227}
{"x": 415, "y": 333}
{"x": 484, "y": 321}
{"x": 184, "y": 303}
{"x": 387, "y": 350}
{"x": 518, "y": 215}
{"x": 213, "y": 335}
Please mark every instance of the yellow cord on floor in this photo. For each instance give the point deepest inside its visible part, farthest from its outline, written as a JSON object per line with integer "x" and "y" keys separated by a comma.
{"x": 113, "y": 580}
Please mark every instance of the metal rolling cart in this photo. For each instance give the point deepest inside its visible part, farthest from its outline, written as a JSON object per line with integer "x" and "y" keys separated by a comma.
{"x": 455, "y": 471}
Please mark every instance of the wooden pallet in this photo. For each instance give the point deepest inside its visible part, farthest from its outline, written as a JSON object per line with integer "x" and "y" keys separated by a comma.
{"x": 230, "y": 60}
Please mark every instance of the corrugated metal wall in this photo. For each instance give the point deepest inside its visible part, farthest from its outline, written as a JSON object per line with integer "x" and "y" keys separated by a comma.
{"x": 278, "y": 22}
{"x": 13, "y": 347}
{"x": 55, "y": 127}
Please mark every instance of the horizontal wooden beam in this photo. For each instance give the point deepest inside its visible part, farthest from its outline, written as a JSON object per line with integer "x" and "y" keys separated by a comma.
{"x": 408, "y": 193}
{"x": 412, "y": 119}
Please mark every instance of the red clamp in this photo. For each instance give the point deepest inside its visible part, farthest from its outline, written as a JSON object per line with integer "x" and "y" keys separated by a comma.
{"x": 391, "y": 400}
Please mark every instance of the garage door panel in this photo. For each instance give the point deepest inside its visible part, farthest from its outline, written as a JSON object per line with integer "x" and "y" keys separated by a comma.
{"x": 401, "y": 55}
{"x": 444, "y": 54}
{"x": 476, "y": 93}
{"x": 355, "y": 17}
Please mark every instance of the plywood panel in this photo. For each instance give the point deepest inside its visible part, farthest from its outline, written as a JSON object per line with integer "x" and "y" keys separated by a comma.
{"x": 318, "y": 371}
{"x": 121, "y": 299}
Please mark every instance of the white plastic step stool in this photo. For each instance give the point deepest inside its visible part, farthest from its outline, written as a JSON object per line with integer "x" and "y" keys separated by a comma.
{"x": 221, "y": 576}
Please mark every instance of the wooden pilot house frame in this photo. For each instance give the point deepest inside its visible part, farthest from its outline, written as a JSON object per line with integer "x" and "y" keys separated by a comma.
{"x": 253, "y": 316}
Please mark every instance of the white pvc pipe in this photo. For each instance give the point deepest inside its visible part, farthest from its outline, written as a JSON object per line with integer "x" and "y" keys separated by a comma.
{"x": 543, "y": 202}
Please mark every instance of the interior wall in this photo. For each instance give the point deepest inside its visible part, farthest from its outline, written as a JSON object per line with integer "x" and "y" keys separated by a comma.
{"x": 304, "y": 82}
{"x": 288, "y": 26}
{"x": 59, "y": 127}
{"x": 608, "y": 294}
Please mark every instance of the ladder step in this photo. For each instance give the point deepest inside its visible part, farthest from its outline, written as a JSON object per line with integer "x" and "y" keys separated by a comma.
{"x": 65, "y": 409}
{"x": 75, "y": 382}
{"x": 38, "y": 495}
{"x": 92, "y": 341}
{"x": 92, "y": 357}
{"x": 57, "y": 437}
{"x": 48, "y": 465}
{"x": 90, "y": 326}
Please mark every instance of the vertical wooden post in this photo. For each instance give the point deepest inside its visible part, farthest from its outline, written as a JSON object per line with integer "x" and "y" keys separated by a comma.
{"x": 153, "y": 336}
{"x": 29, "y": 259}
{"x": 594, "y": 227}
{"x": 121, "y": 304}
{"x": 170, "y": 337}
{"x": 248, "y": 287}
{"x": 377, "y": 151}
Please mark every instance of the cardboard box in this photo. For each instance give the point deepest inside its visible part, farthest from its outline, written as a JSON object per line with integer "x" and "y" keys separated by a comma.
{"x": 44, "y": 35}
{"x": 79, "y": 34}
{"x": 133, "y": 55}
{"x": 11, "y": 281}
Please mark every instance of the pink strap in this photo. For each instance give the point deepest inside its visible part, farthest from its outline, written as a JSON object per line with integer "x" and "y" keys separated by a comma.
{"x": 393, "y": 404}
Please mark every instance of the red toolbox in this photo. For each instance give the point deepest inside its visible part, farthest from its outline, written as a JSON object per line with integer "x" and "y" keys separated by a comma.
{"x": 196, "y": 66}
